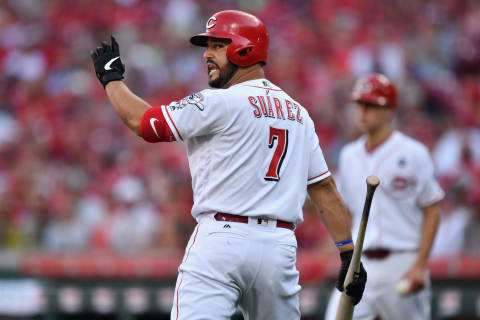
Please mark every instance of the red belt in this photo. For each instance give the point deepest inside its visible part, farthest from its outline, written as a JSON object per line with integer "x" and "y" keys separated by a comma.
{"x": 382, "y": 253}
{"x": 377, "y": 253}
{"x": 242, "y": 219}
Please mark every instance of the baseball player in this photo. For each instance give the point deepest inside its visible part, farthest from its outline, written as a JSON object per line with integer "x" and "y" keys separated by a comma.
{"x": 404, "y": 214}
{"x": 253, "y": 154}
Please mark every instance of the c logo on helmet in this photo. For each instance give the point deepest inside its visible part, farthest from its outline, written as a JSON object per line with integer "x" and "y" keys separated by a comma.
{"x": 211, "y": 23}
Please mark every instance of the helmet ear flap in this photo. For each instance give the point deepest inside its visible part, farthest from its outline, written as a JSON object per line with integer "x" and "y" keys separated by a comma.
{"x": 244, "y": 51}
{"x": 242, "y": 55}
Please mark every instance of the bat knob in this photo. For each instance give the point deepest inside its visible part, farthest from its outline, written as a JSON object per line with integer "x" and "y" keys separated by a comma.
{"x": 373, "y": 181}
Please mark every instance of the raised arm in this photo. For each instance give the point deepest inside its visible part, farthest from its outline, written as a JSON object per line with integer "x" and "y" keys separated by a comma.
{"x": 109, "y": 70}
{"x": 129, "y": 107}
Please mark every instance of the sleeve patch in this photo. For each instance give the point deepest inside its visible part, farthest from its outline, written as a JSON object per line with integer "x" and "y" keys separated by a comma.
{"x": 195, "y": 99}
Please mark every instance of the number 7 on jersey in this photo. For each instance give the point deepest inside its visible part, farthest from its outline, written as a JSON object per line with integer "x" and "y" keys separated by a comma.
{"x": 281, "y": 136}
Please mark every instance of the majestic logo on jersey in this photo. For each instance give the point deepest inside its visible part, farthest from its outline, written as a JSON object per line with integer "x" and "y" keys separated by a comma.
{"x": 262, "y": 221}
{"x": 211, "y": 23}
{"x": 195, "y": 99}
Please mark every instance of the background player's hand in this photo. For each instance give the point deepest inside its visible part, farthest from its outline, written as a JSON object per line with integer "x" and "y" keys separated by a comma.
{"x": 356, "y": 288}
{"x": 107, "y": 62}
{"x": 415, "y": 278}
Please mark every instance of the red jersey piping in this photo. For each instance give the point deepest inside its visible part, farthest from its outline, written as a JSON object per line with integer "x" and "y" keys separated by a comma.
{"x": 321, "y": 174}
{"x": 178, "y": 132}
{"x": 247, "y": 85}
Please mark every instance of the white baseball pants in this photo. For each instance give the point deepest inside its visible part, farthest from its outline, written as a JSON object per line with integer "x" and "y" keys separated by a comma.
{"x": 230, "y": 264}
{"x": 380, "y": 298}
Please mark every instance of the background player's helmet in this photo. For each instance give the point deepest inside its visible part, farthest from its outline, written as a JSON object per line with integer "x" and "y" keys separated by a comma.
{"x": 248, "y": 34}
{"x": 375, "y": 89}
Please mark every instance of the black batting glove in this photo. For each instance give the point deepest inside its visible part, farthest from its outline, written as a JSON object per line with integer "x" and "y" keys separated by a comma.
{"x": 107, "y": 62}
{"x": 357, "y": 286}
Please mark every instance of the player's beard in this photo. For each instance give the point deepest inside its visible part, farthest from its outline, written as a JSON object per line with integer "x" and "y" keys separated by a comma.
{"x": 225, "y": 75}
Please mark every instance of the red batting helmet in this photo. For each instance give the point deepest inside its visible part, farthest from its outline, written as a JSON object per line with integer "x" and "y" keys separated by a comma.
{"x": 248, "y": 34}
{"x": 375, "y": 89}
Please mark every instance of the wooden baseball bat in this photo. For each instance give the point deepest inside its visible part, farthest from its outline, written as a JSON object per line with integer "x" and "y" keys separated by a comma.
{"x": 345, "y": 306}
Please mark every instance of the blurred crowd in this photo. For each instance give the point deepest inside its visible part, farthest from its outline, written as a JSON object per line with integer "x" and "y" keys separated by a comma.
{"x": 74, "y": 178}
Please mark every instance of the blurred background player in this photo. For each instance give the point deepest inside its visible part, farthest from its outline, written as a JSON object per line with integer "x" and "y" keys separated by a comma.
{"x": 405, "y": 211}
{"x": 252, "y": 152}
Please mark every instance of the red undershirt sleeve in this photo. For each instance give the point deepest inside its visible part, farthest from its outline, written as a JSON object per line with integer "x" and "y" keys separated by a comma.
{"x": 154, "y": 127}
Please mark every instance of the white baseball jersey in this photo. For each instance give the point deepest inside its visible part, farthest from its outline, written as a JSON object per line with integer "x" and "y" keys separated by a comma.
{"x": 407, "y": 184}
{"x": 251, "y": 148}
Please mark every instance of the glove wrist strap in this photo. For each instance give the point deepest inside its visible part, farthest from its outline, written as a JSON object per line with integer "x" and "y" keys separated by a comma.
{"x": 111, "y": 76}
{"x": 346, "y": 256}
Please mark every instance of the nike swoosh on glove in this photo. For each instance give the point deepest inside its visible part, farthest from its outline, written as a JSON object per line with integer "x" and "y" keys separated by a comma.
{"x": 107, "y": 63}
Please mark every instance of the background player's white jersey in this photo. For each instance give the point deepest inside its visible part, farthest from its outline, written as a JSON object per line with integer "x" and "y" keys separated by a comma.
{"x": 407, "y": 184}
{"x": 251, "y": 148}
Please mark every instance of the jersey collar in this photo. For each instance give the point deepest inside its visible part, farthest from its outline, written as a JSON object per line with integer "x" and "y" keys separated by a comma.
{"x": 380, "y": 145}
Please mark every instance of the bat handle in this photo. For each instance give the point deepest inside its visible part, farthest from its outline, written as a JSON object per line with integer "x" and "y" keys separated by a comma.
{"x": 372, "y": 184}
{"x": 345, "y": 306}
